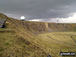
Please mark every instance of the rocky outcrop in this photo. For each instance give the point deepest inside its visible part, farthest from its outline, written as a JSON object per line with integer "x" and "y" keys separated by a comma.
{"x": 3, "y": 19}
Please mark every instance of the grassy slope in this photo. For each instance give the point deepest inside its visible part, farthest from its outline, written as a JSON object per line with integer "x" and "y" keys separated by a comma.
{"x": 17, "y": 40}
{"x": 16, "y": 46}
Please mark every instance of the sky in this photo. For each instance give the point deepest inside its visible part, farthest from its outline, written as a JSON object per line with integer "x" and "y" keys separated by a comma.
{"x": 40, "y": 10}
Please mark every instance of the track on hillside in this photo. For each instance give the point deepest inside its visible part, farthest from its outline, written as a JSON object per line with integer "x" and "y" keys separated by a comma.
{"x": 60, "y": 42}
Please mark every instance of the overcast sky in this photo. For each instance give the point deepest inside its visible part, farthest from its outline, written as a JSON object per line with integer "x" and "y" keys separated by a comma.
{"x": 43, "y": 10}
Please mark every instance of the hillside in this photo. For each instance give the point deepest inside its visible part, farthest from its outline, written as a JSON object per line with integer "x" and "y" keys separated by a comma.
{"x": 36, "y": 39}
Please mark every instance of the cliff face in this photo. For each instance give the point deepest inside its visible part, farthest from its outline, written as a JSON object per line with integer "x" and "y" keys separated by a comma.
{"x": 36, "y": 26}
{"x": 62, "y": 27}
{"x": 48, "y": 27}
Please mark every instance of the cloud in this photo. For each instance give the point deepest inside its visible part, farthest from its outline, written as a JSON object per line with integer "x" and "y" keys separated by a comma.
{"x": 40, "y": 20}
{"x": 38, "y": 9}
{"x": 71, "y": 19}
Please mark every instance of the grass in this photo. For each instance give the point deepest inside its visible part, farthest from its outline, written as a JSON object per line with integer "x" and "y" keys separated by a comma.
{"x": 13, "y": 45}
{"x": 7, "y": 44}
{"x": 58, "y": 41}
{"x": 1, "y": 49}
{"x": 2, "y": 29}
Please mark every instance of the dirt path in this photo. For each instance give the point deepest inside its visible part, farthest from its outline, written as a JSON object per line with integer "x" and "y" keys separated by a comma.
{"x": 73, "y": 39}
